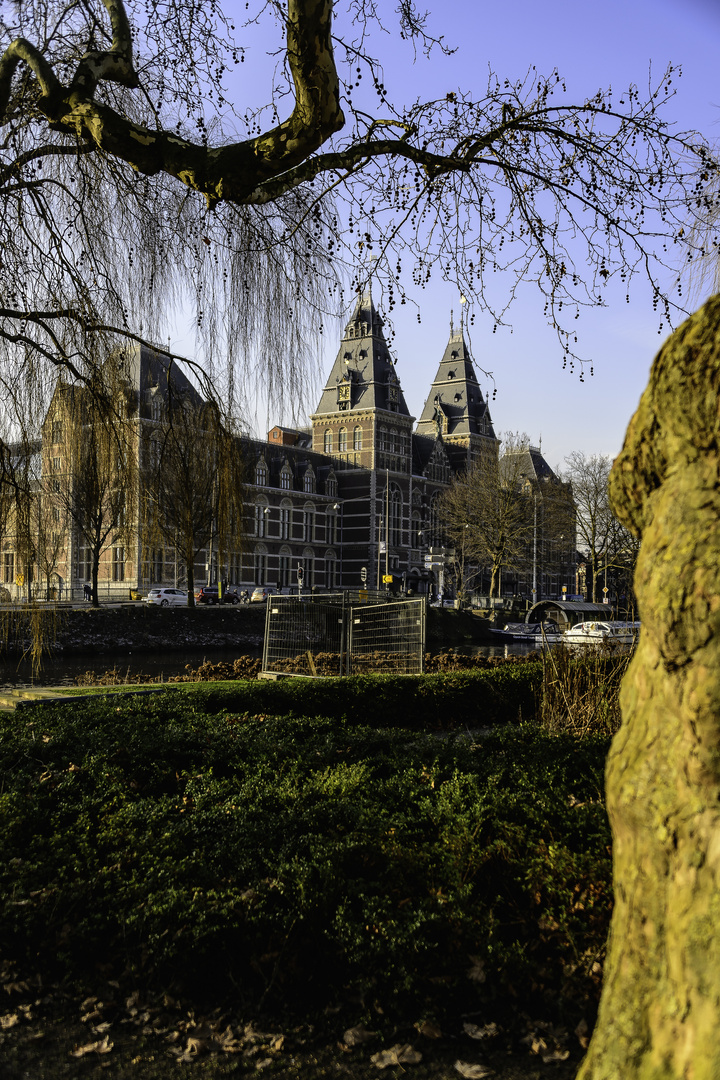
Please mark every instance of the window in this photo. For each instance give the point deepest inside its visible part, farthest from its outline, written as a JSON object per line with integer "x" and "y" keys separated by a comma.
{"x": 84, "y": 560}
{"x": 56, "y": 464}
{"x": 308, "y": 564}
{"x": 234, "y": 568}
{"x": 342, "y": 441}
{"x": 260, "y": 564}
{"x": 332, "y": 521}
{"x": 284, "y": 568}
{"x": 56, "y": 487}
{"x": 309, "y": 524}
{"x": 262, "y": 512}
{"x": 331, "y": 487}
{"x": 285, "y": 512}
{"x": 357, "y": 439}
{"x": 156, "y": 407}
{"x": 395, "y": 516}
{"x": 415, "y": 531}
{"x": 56, "y": 513}
{"x": 118, "y": 563}
{"x": 309, "y": 481}
{"x": 9, "y": 567}
{"x": 57, "y": 431}
{"x": 328, "y": 442}
{"x": 261, "y": 474}
{"x": 286, "y": 479}
{"x": 331, "y": 570}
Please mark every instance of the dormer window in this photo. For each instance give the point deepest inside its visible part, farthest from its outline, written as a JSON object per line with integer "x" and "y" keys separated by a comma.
{"x": 261, "y": 474}
{"x": 285, "y": 478}
{"x": 451, "y": 374}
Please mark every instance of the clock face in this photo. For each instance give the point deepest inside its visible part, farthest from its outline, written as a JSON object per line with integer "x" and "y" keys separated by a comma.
{"x": 344, "y": 392}
{"x": 392, "y": 393}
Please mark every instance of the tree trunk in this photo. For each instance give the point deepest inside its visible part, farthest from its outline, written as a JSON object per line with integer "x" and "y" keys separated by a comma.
{"x": 190, "y": 572}
{"x": 660, "y": 1011}
{"x": 95, "y": 572}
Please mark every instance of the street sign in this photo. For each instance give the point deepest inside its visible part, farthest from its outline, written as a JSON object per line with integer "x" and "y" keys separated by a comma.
{"x": 363, "y": 574}
{"x": 387, "y": 579}
{"x": 362, "y": 594}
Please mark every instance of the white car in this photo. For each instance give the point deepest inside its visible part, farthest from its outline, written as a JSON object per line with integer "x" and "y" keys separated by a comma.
{"x": 260, "y": 595}
{"x": 167, "y": 597}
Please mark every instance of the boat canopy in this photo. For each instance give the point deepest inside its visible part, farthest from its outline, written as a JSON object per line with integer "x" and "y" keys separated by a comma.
{"x": 567, "y": 613}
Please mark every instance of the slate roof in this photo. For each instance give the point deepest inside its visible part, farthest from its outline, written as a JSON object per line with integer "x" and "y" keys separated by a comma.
{"x": 455, "y": 395}
{"x": 364, "y": 364}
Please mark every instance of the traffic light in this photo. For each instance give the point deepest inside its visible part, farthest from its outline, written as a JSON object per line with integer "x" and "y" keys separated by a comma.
{"x": 300, "y": 574}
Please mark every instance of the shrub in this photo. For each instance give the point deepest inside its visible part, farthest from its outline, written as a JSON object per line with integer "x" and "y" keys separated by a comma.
{"x": 299, "y": 861}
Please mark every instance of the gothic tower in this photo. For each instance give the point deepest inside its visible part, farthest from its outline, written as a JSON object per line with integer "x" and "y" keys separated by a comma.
{"x": 455, "y": 409}
{"x": 362, "y": 418}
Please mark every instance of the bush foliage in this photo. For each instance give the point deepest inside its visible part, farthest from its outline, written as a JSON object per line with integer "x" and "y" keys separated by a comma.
{"x": 298, "y": 863}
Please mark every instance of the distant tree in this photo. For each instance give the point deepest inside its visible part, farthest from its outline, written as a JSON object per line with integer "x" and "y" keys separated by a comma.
{"x": 486, "y": 515}
{"x": 95, "y": 482}
{"x": 193, "y": 495}
{"x": 609, "y": 547}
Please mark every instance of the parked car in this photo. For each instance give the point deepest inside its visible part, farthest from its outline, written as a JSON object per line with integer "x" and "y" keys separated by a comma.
{"x": 167, "y": 597}
{"x": 208, "y": 594}
{"x": 260, "y": 595}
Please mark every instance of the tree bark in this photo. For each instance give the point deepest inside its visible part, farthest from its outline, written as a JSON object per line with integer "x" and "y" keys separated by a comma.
{"x": 660, "y": 1010}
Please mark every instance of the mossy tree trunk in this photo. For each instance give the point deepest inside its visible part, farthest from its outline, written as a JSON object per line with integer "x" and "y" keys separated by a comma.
{"x": 660, "y": 1010}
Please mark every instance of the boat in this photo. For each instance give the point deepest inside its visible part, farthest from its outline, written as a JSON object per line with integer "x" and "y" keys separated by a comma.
{"x": 537, "y": 634}
{"x": 607, "y": 632}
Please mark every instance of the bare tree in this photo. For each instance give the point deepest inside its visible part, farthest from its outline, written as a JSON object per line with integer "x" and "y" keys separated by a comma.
{"x": 93, "y": 479}
{"x": 128, "y": 181}
{"x": 487, "y": 515}
{"x": 193, "y": 498}
{"x": 607, "y": 544}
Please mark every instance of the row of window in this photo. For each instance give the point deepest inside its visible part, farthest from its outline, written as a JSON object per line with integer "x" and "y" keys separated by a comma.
{"x": 308, "y": 522}
{"x": 286, "y": 480}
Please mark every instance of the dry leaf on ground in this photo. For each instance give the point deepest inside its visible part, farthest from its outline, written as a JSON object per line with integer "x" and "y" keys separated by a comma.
{"x": 400, "y": 1054}
{"x": 429, "y": 1029}
{"x": 102, "y": 1047}
{"x": 473, "y": 1072}
{"x": 477, "y": 971}
{"x": 487, "y": 1031}
{"x": 356, "y": 1035}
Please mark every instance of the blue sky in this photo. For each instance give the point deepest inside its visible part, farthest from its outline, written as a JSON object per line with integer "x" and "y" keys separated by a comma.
{"x": 592, "y": 46}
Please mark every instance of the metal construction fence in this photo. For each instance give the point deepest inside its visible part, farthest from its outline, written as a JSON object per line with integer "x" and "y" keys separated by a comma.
{"x": 338, "y": 634}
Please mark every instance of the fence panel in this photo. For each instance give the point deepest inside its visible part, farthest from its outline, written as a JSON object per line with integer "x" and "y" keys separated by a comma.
{"x": 304, "y": 636}
{"x": 330, "y": 635}
{"x": 387, "y": 638}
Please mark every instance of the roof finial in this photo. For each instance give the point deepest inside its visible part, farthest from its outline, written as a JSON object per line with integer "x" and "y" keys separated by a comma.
{"x": 452, "y": 326}
{"x": 463, "y": 302}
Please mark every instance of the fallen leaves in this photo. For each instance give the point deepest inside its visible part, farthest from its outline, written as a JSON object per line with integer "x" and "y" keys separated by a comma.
{"x": 472, "y": 1072}
{"x": 103, "y": 1046}
{"x": 400, "y": 1054}
{"x": 356, "y": 1035}
{"x": 487, "y": 1031}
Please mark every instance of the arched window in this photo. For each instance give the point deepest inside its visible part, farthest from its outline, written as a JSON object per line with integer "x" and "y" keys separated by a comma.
{"x": 342, "y": 441}
{"x": 286, "y": 478}
{"x": 309, "y": 522}
{"x": 415, "y": 530}
{"x": 357, "y": 438}
{"x": 262, "y": 512}
{"x": 261, "y": 475}
{"x": 331, "y": 525}
{"x": 309, "y": 481}
{"x": 285, "y": 567}
{"x": 285, "y": 520}
{"x": 260, "y": 564}
{"x": 328, "y": 442}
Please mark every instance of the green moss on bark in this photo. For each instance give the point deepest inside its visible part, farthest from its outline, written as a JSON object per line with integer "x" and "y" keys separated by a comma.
{"x": 660, "y": 1011}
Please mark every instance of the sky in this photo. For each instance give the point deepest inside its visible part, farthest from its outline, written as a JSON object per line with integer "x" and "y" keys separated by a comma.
{"x": 592, "y": 46}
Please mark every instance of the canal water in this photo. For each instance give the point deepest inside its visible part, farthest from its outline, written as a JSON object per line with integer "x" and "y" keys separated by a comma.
{"x": 66, "y": 670}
